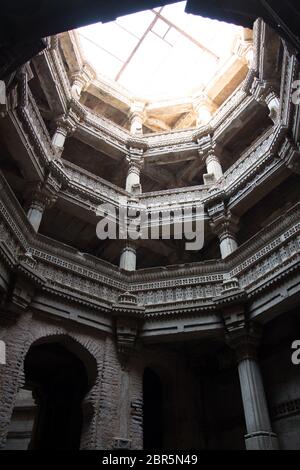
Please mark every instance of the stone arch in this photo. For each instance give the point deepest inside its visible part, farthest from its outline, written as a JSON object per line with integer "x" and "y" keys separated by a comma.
{"x": 80, "y": 351}
{"x": 77, "y": 347}
{"x": 31, "y": 331}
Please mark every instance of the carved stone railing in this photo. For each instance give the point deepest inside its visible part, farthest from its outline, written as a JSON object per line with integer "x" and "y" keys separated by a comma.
{"x": 259, "y": 153}
{"x": 97, "y": 189}
{"x": 112, "y": 134}
{"x": 92, "y": 191}
{"x": 87, "y": 280}
{"x": 34, "y": 128}
{"x": 173, "y": 198}
{"x": 231, "y": 183}
{"x": 104, "y": 130}
{"x": 250, "y": 159}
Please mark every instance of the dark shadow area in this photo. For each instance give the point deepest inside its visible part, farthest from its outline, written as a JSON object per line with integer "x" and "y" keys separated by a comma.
{"x": 152, "y": 411}
{"x": 59, "y": 383}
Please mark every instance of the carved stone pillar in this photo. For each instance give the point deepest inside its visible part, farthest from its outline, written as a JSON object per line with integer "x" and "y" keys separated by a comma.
{"x": 203, "y": 110}
{"x": 36, "y": 207}
{"x": 128, "y": 256}
{"x": 64, "y": 128}
{"x": 225, "y": 225}
{"x": 265, "y": 92}
{"x": 137, "y": 118}
{"x": 3, "y": 103}
{"x": 245, "y": 342}
{"x": 135, "y": 161}
{"x": 273, "y": 103}
{"x": 81, "y": 80}
{"x": 213, "y": 166}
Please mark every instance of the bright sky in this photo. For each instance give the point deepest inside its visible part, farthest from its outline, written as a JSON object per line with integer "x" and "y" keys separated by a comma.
{"x": 161, "y": 53}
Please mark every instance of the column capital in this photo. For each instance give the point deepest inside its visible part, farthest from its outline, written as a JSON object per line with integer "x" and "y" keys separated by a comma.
{"x": 263, "y": 90}
{"x": 129, "y": 246}
{"x": 81, "y": 79}
{"x": 65, "y": 124}
{"x": 136, "y": 145}
{"x": 135, "y": 161}
{"x": 208, "y": 147}
{"x": 244, "y": 338}
{"x": 243, "y": 47}
{"x": 224, "y": 223}
{"x": 40, "y": 197}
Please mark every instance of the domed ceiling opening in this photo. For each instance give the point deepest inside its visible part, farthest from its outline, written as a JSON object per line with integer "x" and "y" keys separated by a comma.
{"x": 176, "y": 67}
{"x": 162, "y": 53}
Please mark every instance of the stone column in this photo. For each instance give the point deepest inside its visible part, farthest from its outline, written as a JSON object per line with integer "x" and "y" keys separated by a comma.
{"x": 213, "y": 166}
{"x": 265, "y": 92}
{"x": 259, "y": 430}
{"x": 135, "y": 161}
{"x": 39, "y": 200}
{"x": 64, "y": 128}
{"x": 35, "y": 213}
{"x": 128, "y": 256}
{"x": 137, "y": 118}
{"x": 203, "y": 110}
{"x": 81, "y": 80}
{"x": 3, "y": 103}
{"x": 225, "y": 226}
{"x": 273, "y": 103}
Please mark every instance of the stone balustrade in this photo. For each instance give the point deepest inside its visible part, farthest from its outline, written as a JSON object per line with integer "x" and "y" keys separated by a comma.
{"x": 85, "y": 279}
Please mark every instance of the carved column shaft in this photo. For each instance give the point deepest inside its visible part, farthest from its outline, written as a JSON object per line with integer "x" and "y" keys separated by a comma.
{"x": 135, "y": 162}
{"x": 213, "y": 166}
{"x": 60, "y": 136}
{"x": 128, "y": 257}
{"x": 228, "y": 244}
{"x": 225, "y": 225}
{"x": 81, "y": 80}
{"x": 137, "y": 118}
{"x": 259, "y": 430}
{"x": 273, "y": 103}
{"x": 136, "y": 123}
{"x": 78, "y": 85}
{"x": 133, "y": 177}
{"x": 3, "y": 103}
{"x": 35, "y": 213}
{"x": 63, "y": 130}
{"x": 38, "y": 200}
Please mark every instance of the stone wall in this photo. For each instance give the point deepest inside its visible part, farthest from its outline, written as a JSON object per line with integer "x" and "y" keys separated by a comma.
{"x": 101, "y": 405}
{"x": 282, "y": 379}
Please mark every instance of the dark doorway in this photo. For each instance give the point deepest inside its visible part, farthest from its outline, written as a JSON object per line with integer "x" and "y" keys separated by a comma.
{"x": 59, "y": 383}
{"x": 153, "y": 410}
